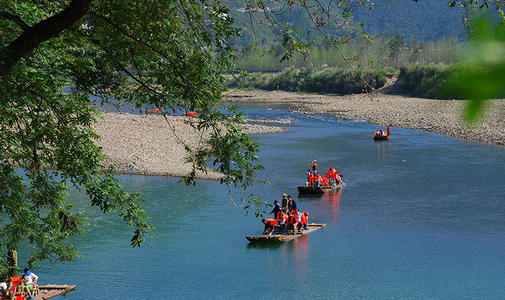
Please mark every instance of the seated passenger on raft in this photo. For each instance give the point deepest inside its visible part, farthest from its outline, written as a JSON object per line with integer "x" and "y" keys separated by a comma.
{"x": 270, "y": 226}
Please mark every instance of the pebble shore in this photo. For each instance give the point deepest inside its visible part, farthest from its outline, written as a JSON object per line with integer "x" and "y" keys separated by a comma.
{"x": 439, "y": 116}
{"x": 151, "y": 143}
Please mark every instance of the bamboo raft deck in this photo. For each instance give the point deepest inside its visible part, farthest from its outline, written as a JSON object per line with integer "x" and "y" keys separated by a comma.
{"x": 283, "y": 238}
{"x": 52, "y": 290}
{"x": 316, "y": 190}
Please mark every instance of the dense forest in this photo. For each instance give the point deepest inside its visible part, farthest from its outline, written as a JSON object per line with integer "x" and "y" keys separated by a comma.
{"x": 416, "y": 41}
{"x": 427, "y": 20}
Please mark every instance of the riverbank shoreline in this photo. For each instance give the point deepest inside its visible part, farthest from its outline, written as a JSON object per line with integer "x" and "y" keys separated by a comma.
{"x": 153, "y": 145}
{"x": 438, "y": 116}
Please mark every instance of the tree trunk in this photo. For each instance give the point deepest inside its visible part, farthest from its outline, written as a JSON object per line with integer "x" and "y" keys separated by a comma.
{"x": 12, "y": 259}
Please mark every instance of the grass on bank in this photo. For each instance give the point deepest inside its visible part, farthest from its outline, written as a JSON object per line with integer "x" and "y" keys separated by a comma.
{"x": 326, "y": 80}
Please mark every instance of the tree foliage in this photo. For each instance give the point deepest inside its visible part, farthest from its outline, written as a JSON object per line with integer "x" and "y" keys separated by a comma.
{"x": 55, "y": 55}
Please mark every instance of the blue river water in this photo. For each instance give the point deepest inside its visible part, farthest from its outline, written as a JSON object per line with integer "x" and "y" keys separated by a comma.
{"x": 420, "y": 217}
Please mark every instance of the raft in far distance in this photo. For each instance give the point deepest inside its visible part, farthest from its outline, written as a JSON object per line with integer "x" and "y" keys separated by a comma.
{"x": 282, "y": 237}
{"x": 381, "y": 135}
{"x": 316, "y": 190}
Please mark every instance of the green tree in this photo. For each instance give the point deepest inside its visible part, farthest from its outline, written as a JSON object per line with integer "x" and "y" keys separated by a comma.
{"x": 55, "y": 55}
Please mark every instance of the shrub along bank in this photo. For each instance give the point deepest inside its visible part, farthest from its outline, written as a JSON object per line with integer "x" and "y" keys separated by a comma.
{"x": 427, "y": 81}
{"x": 327, "y": 80}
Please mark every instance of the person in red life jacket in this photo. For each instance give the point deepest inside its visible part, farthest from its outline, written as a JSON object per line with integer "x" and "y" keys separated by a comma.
{"x": 291, "y": 204}
{"x": 282, "y": 217}
{"x": 276, "y": 209}
{"x": 324, "y": 181}
{"x": 337, "y": 177}
{"x": 304, "y": 221}
{"x": 389, "y": 129}
{"x": 312, "y": 179}
{"x": 269, "y": 226}
{"x": 291, "y": 223}
{"x": 318, "y": 179}
{"x": 329, "y": 173}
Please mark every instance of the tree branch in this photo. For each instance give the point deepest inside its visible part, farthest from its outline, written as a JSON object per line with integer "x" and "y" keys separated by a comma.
{"x": 15, "y": 19}
{"x": 41, "y": 32}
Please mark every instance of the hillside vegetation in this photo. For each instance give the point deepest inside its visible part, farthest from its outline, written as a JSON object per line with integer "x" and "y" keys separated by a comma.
{"x": 326, "y": 80}
{"x": 427, "y": 20}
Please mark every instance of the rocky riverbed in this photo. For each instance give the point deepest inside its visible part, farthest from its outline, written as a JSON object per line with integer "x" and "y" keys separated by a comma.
{"x": 153, "y": 144}
{"x": 439, "y": 116}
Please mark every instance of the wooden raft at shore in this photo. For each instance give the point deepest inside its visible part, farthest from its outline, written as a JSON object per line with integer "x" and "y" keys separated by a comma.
{"x": 283, "y": 238}
{"x": 52, "y": 290}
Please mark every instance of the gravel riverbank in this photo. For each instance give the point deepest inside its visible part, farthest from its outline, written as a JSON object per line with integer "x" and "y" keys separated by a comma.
{"x": 152, "y": 144}
{"x": 439, "y": 116}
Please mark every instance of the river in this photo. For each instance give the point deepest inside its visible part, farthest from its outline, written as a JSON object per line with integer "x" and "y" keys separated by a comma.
{"x": 421, "y": 216}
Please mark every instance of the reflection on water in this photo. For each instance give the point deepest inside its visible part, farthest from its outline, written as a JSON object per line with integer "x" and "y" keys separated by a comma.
{"x": 383, "y": 150}
{"x": 332, "y": 201}
{"x": 300, "y": 247}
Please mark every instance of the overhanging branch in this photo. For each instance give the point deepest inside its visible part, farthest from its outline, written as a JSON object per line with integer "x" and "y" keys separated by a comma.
{"x": 15, "y": 19}
{"x": 33, "y": 36}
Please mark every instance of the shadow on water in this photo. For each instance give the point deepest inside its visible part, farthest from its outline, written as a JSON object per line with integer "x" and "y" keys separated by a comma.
{"x": 310, "y": 197}
{"x": 264, "y": 245}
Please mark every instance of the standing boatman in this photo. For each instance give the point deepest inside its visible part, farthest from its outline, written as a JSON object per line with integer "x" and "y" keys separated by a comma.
{"x": 284, "y": 202}
{"x": 389, "y": 129}
{"x": 276, "y": 209}
{"x": 314, "y": 166}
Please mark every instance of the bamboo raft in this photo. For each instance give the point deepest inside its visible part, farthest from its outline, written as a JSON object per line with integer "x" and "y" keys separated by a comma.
{"x": 283, "y": 238}
{"x": 316, "y": 190}
{"x": 52, "y": 290}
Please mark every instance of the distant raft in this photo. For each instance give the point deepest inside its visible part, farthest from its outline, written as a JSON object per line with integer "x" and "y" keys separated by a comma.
{"x": 381, "y": 135}
{"x": 283, "y": 238}
{"x": 316, "y": 190}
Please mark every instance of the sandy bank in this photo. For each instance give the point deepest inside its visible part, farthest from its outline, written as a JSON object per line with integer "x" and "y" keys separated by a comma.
{"x": 150, "y": 143}
{"x": 439, "y": 116}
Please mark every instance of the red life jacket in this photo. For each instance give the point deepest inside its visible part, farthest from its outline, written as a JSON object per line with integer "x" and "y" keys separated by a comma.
{"x": 311, "y": 178}
{"x": 281, "y": 215}
{"x": 329, "y": 173}
{"x": 270, "y": 222}
{"x": 304, "y": 219}
{"x": 292, "y": 220}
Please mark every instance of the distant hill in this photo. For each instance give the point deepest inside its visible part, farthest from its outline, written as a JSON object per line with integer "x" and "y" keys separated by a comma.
{"x": 426, "y": 20}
